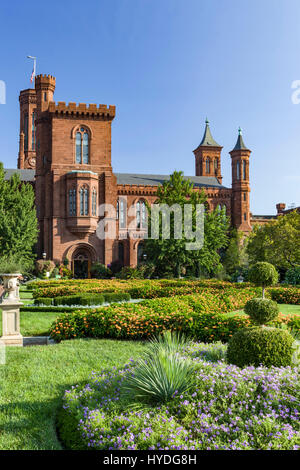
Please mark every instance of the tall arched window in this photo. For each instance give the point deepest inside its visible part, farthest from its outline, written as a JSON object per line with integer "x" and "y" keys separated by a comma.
{"x": 84, "y": 201}
{"x": 26, "y": 131}
{"x": 94, "y": 202}
{"x": 121, "y": 209}
{"x": 82, "y": 146}
{"x": 72, "y": 202}
{"x": 33, "y": 132}
{"x": 216, "y": 165}
{"x": 141, "y": 214}
{"x": 208, "y": 165}
{"x": 237, "y": 170}
{"x": 244, "y": 170}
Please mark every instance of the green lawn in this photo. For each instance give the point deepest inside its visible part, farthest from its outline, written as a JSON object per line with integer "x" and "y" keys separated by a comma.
{"x": 35, "y": 377}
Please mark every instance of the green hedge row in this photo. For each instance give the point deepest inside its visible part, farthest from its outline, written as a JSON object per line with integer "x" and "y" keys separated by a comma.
{"x": 83, "y": 299}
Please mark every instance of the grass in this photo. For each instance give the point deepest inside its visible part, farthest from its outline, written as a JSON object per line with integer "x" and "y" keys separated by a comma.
{"x": 34, "y": 379}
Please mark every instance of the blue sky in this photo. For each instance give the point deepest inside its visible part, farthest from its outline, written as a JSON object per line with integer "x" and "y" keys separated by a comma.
{"x": 166, "y": 65}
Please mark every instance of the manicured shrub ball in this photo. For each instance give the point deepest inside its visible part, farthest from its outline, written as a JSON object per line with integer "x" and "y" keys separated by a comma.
{"x": 261, "y": 311}
{"x": 263, "y": 274}
{"x": 261, "y": 346}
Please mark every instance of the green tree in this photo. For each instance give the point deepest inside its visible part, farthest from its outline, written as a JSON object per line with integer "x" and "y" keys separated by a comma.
{"x": 18, "y": 221}
{"x": 277, "y": 242}
{"x": 172, "y": 253}
{"x": 234, "y": 256}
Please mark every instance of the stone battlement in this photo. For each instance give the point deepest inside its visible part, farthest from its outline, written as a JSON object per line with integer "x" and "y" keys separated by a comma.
{"x": 82, "y": 108}
{"x": 44, "y": 78}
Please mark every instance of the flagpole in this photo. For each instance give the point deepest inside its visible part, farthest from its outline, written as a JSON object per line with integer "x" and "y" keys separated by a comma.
{"x": 34, "y": 67}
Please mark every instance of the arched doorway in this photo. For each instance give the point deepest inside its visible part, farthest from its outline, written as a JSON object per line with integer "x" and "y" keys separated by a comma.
{"x": 121, "y": 253}
{"x": 81, "y": 264}
{"x": 140, "y": 253}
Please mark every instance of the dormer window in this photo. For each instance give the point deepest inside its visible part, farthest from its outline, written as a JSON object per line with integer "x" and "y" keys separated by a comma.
{"x": 82, "y": 146}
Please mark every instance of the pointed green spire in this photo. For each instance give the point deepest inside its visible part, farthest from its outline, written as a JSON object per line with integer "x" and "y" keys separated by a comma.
{"x": 240, "y": 142}
{"x": 208, "y": 140}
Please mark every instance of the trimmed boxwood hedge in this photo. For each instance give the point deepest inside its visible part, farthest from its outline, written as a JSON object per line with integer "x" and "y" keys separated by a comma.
{"x": 84, "y": 299}
{"x": 43, "y": 301}
{"x": 261, "y": 346}
{"x": 261, "y": 311}
{"x": 80, "y": 299}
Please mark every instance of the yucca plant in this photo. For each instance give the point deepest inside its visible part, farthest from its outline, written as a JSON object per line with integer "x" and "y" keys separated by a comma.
{"x": 161, "y": 372}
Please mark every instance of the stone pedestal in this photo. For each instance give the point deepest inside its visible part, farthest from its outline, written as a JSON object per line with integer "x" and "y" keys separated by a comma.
{"x": 11, "y": 324}
{"x": 10, "y": 307}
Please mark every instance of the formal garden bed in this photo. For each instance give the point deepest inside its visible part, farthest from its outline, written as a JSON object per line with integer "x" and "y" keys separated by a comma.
{"x": 210, "y": 405}
{"x": 263, "y": 401}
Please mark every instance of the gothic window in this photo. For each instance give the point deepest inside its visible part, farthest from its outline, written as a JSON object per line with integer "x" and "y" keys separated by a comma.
{"x": 245, "y": 216}
{"x": 244, "y": 170}
{"x": 121, "y": 209}
{"x": 245, "y": 197}
{"x": 216, "y": 165}
{"x": 140, "y": 214}
{"x": 33, "y": 131}
{"x": 84, "y": 201}
{"x": 237, "y": 170}
{"x": 72, "y": 202}
{"x": 208, "y": 165}
{"x": 94, "y": 202}
{"x": 26, "y": 131}
{"x": 82, "y": 146}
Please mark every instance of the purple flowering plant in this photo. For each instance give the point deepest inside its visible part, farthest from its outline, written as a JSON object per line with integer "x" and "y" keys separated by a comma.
{"x": 228, "y": 408}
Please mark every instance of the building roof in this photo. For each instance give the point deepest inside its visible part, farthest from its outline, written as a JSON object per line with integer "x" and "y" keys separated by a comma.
{"x": 208, "y": 140}
{"x": 240, "y": 142}
{"x": 25, "y": 175}
{"x": 156, "y": 180}
{"x": 131, "y": 179}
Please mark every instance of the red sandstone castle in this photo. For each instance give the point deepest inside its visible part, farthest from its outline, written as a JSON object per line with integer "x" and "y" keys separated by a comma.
{"x": 65, "y": 151}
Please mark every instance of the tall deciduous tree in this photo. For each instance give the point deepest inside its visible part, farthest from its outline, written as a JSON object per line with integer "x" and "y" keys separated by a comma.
{"x": 18, "y": 221}
{"x": 172, "y": 253}
{"x": 277, "y": 242}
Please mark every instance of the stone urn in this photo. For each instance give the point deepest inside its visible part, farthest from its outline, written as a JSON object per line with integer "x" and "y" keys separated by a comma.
{"x": 11, "y": 286}
{"x": 10, "y": 307}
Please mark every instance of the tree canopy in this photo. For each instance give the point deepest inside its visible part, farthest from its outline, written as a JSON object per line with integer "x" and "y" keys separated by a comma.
{"x": 18, "y": 221}
{"x": 172, "y": 253}
{"x": 277, "y": 242}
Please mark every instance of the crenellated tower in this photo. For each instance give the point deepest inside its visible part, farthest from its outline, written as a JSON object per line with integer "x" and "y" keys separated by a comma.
{"x": 208, "y": 156}
{"x": 240, "y": 185}
{"x": 27, "y": 143}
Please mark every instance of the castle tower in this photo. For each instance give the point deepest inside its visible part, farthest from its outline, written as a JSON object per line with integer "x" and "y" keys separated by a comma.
{"x": 208, "y": 156}
{"x": 240, "y": 185}
{"x": 27, "y": 146}
{"x": 44, "y": 87}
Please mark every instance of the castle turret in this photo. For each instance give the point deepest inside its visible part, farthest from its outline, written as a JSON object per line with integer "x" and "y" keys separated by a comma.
{"x": 44, "y": 87}
{"x": 240, "y": 185}
{"x": 27, "y": 146}
{"x": 208, "y": 156}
